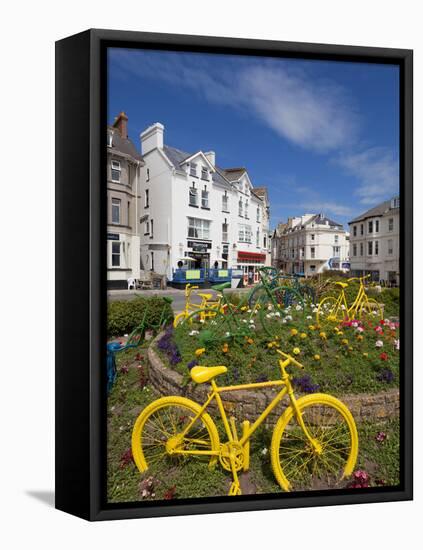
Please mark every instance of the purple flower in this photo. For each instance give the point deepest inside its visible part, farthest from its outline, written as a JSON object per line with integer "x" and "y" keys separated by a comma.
{"x": 192, "y": 364}
{"x": 305, "y": 385}
{"x": 385, "y": 375}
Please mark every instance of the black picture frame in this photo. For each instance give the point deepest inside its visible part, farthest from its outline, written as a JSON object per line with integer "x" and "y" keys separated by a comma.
{"x": 81, "y": 271}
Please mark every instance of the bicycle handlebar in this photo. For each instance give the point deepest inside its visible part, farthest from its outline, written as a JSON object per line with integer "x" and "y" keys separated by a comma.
{"x": 189, "y": 288}
{"x": 359, "y": 278}
{"x": 291, "y": 359}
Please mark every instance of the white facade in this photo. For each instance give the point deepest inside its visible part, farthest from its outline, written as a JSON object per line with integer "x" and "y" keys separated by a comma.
{"x": 310, "y": 244}
{"x": 375, "y": 242}
{"x": 191, "y": 209}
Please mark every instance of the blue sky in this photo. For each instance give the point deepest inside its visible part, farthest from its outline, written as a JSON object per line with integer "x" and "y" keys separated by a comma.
{"x": 323, "y": 136}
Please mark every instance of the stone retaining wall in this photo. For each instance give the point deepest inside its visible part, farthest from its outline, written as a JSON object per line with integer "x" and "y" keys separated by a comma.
{"x": 248, "y": 404}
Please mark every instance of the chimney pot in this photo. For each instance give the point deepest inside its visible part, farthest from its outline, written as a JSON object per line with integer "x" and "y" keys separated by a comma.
{"x": 121, "y": 123}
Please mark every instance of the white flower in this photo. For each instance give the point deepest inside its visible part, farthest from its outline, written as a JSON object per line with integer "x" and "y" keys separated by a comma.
{"x": 264, "y": 451}
{"x": 315, "y": 310}
{"x": 126, "y": 335}
{"x": 309, "y": 317}
{"x": 277, "y": 314}
{"x": 194, "y": 332}
{"x": 213, "y": 322}
{"x": 288, "y": 318}
{"x": 284, "y": 321}
{"x": 397, "y": 344}
{"x": 343, "y": 306}
{"x": 227, "y": 334}
{"x": 298, "y": 307}
{"x": 202, "y": 321}
{"x": 379, "y": 344}
{"x": 251, "y": 321}
{"x": 248, "y": 310}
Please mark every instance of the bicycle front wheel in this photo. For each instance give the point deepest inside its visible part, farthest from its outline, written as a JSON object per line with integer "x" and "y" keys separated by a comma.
{"x": 159, "y": 437}
{"x": 301, "y": 464}
{"x": 329, "y": 310}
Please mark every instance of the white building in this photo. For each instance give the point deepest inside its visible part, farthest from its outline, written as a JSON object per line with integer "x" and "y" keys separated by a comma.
{"x": 310, "y": 244}
{"x": 124, "y": 163}
{"x": 375, "y": 242}
{"x": 194, "y": 212}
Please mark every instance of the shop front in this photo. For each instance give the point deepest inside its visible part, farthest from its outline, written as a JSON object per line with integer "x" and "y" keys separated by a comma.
{"x": 199, "y": 252}
{"x": 250, "y": 262}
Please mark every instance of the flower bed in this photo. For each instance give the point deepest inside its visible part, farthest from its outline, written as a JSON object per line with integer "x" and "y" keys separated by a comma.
{"x": 345, "y": 358}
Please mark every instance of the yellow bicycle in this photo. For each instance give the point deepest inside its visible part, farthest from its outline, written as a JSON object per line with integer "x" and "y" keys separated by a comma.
{"x": 314, "y": 443}
{"x": 207, "y": 307}
{"x": 336, "y": 308}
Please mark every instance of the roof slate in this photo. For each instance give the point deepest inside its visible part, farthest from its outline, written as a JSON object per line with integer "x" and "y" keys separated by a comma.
{"x": 124, "y": 146}
{"x": 378, "y": 210}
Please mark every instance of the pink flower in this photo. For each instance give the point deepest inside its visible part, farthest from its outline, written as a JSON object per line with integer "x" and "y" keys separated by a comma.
{"x": 379, "y": 330}
{"x": 360, "y": 329}
{"x": 380, "y": 437}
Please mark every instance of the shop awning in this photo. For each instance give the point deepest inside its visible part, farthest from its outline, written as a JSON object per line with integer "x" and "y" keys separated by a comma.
{"x": 251, "y": 256}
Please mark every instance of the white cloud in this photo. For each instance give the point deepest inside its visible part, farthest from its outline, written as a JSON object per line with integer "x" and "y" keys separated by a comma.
{"x": 301, "y": 110}
{"x": 377, "y": 169}
{"x": 305, "y": 111}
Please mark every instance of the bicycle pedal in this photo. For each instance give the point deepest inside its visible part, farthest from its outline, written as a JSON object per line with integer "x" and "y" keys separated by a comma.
{"x": 235, "y": 489}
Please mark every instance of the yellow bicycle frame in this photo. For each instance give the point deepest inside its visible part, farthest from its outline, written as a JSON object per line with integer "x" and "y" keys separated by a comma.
{"x": 231, "y": 433}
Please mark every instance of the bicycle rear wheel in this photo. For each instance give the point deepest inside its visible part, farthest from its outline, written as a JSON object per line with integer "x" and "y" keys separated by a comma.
{"x": 371, "y": 309}
{"x": 159, "y": 438}
{"x": 324, "y": 463}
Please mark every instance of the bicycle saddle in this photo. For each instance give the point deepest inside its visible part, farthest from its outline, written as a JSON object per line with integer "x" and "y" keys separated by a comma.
{"x": 204, "y": 374}
{"x": 206, "y": 296}
{"x": 342, "y": 285}
{"x": 221, "y": 287}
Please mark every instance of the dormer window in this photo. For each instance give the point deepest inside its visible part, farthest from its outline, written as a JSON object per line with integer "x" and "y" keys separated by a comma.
{"x": 193, "y": 169}
{"x": 204, "y": 174}
{"x": 116, "y": 171}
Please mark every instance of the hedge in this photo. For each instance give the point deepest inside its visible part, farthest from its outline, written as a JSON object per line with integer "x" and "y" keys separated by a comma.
{"x": 124, "y": 316}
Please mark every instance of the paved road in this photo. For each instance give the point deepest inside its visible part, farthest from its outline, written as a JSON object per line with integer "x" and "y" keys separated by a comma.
{"x": 178, "y": 296}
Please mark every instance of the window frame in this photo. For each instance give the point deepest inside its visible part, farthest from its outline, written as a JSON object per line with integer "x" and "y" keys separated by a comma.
{"x": 119, "y": 207}
{"x": 114, "y": 169}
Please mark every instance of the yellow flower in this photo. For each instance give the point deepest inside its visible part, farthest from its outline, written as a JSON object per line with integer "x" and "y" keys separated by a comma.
{"x": 296, "y": 351}
{"x": 270, "y": 344}
{"x": 294, "y": 332}
{"x": 359, "y": 337}
{"x": 350, "y": 348}
{"x": 344, "y": 341}
{"x": 244, "y": 308}
{"x": 225, "y": 348}
{"x": 340, "y": 333}
{"x": 317, "y": 357}
{"x": 250, "y": 340}
{"x": 311, "y": 327}
{"x": 323, "y": 335}
{"x": 199, "y": 351}
{"x": 303, "y": 335}
{"x": 365, "y": 354}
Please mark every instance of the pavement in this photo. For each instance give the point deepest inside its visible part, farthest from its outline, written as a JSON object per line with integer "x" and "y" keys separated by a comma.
{"x": 177, "y": 295}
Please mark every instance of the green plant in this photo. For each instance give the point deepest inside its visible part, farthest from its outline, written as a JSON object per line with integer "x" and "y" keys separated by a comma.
{"x": 124, "y": 316}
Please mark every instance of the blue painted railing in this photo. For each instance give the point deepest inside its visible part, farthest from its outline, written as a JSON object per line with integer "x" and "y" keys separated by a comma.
{"x": 201, "y": 275}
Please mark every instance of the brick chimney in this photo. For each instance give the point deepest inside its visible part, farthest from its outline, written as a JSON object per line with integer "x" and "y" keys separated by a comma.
{"x": 121, "y": 123}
